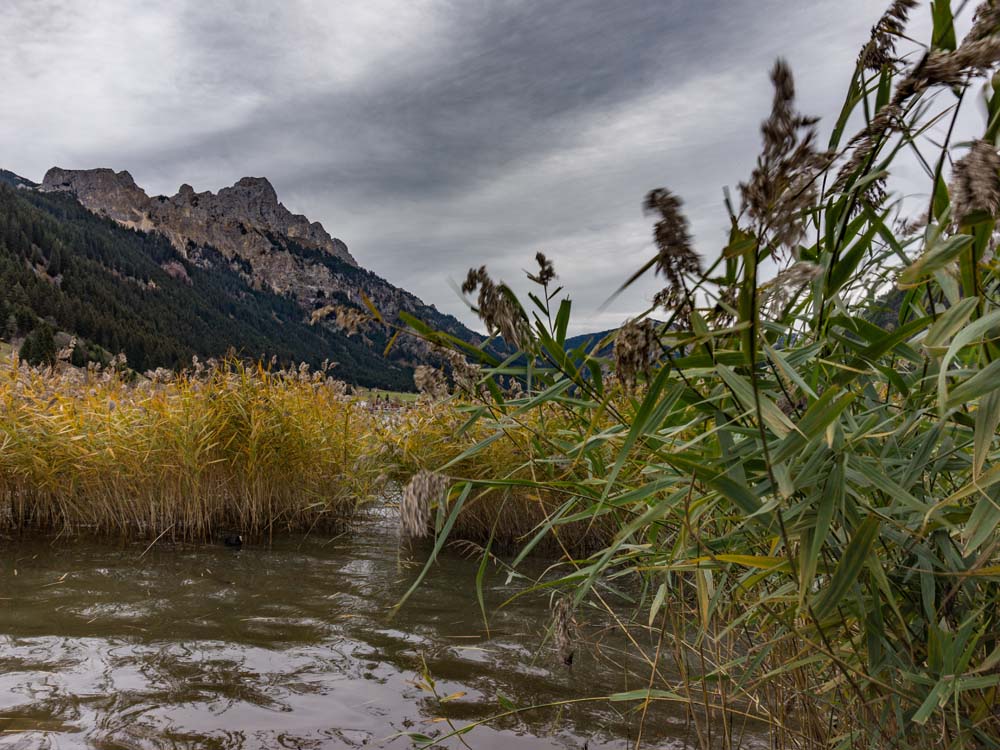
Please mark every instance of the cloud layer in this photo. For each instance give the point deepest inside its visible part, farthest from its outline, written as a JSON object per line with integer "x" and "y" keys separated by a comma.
{"x": 430, "y": 135}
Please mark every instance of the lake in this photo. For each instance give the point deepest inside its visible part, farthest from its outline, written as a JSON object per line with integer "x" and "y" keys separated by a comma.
{"x": 114, "y": 647}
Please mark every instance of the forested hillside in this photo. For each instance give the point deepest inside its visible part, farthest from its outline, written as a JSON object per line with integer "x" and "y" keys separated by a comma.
{"x": 129, "y": 291}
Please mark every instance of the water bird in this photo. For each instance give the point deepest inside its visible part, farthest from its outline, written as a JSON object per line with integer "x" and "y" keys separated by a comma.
{"x": 233, "y": 540}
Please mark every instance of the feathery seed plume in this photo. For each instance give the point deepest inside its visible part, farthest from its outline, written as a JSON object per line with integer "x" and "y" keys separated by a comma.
{"x": 64, "y": 354}
{"x": 985, "y": 21}
{"x": 514, "y": 390}
{"x": 724, "y": 312}
{"x": 415, "y": 507}
{"x": 676, "y": 302}
{"x": 636, "y": 345}
{"x": 675, "y": 258}
{"x": 465, "y": 374}
{"x": 976, "y": 181}
{"x": 782, "y": 186}
{"x": 348, "y": 319}
{"x": 430, "y": 381}
{"x": 497, "y": 307}
{"x": 778, "y": 292}
{"x": 546, "y": 271}
{"x": 881, "y": 48}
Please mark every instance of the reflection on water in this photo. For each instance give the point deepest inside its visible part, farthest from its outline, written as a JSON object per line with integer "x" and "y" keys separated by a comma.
{"x": 288, "y": 646}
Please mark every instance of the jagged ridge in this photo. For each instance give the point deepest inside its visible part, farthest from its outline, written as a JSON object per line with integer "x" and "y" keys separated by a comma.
{"x": 274, "y": 248}
{"x": 236, "y": 220}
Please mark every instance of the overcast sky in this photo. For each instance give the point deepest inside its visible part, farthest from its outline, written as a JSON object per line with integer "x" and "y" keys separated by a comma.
{"x": 430, "y": 135}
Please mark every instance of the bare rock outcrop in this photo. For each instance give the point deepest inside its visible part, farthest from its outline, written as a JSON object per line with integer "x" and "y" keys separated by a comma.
{"x": 244, "y": 220}
{"x": 103, "y": 191}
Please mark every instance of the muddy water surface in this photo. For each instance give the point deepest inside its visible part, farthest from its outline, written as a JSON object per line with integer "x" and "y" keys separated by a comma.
{"x": 288, "y": 646}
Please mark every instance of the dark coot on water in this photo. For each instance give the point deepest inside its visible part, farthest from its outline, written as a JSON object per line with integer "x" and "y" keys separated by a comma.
{"x": 233, "y": 540}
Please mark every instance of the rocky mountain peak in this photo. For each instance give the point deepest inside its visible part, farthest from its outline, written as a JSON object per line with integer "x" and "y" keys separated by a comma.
{"x": 259, "y": 185}
{"x": 244, "y": 220}
{"x": 253, "y": 196}
{"x": 102, "y": 190}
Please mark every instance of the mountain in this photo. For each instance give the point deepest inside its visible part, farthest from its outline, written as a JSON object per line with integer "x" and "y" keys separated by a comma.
{"x": 275, "y": 248}
{"x": 589, "y": 339}
{"x": 166, "y": 277}
{"x": 15, "y": 180}
{"x": 243, "y": 220}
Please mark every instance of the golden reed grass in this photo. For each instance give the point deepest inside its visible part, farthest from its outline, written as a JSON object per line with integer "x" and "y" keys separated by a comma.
{"x": 511, "y": 512}
{"x": 230, "y": 446}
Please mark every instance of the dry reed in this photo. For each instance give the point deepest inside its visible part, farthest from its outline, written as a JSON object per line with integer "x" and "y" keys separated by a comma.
{"x": 228, "y": 446}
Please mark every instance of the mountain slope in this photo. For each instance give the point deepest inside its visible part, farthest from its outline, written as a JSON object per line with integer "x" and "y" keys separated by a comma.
{"x": 133, "y": 291}
{"x": 589, "y": 339}
{"x": 166, "y": 277}
{"x": 15, "y": 180}
{"x": 273, "y": 248}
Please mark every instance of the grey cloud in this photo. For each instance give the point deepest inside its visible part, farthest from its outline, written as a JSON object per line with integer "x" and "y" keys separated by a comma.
{"x": 434, "y": 136}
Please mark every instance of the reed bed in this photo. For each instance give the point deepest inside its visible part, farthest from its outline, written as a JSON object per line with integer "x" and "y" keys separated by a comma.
{"x": 511, "y": 495}
{"x": 801, "y": 465}
{"x": 225, "y": 447}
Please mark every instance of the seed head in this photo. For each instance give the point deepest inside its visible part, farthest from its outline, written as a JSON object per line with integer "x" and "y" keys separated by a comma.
{"x": 778, "y": 292}
{"x": 348, "y": 319}
{"x": 678, "y": 304}
{"x": 546, "y": 271}
{"x": 423, "y": 488}
{"x": 862, "y": 144}
{"x": 723, "y": 314}
{"x": 908, "y": 227}
{"x": 636, "y": 346}
{"x": 497, "y": 307}
{"x": 782, "y": 187}
{"x": 337, "y": 387}
{"x": 976, "y": 182}
{"x": 977, "y": 54}
{"x": 465, "y": 374}
{"x": 675, "y": 258}
{"x": 160, "y": 375}
{"x": 514, "y": 389}
{"x": 946, "y": 68}
{"x": 881, "y": 48}
{"x": 430, "y": 381}
{"x": 64, "y": 354}
{"x": 985, "y": 21}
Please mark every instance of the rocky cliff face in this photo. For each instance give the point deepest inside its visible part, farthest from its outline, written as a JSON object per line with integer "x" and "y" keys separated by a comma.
{"x": 268, "y": 244}
{"x": 245, "y": 220}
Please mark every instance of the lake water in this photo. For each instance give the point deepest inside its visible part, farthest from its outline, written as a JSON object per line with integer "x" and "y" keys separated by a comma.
{"x": 290, "y": 646}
